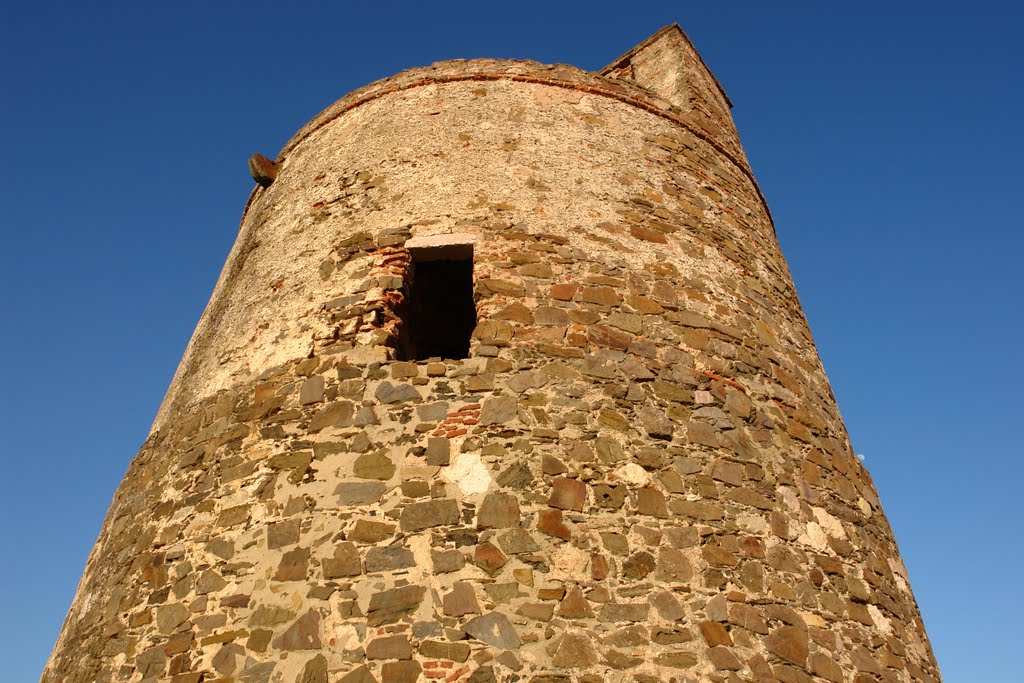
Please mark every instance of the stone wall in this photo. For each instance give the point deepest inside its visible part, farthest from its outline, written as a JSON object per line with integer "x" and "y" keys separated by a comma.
{"x": 639, "y": 474}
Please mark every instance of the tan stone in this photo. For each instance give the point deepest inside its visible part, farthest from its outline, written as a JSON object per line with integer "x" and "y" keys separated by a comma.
{"x": 169, "y": 617}
{"x": 677, "y": 660}
{"x": 369, "y": 531}
{"x": 651, "y": 502}
{"x": 824, "y": 666}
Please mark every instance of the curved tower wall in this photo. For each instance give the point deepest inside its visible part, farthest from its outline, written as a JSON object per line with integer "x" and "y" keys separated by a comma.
{"x": 638, "y": 474}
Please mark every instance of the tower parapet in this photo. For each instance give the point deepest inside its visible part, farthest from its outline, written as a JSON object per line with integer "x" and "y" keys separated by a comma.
{"x": 610, "y": 453}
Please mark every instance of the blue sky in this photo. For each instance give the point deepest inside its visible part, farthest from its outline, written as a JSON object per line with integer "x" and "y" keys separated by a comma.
{"x": 886, "y": 137}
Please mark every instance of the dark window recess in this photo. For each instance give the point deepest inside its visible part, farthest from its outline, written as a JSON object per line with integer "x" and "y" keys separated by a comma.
{"x": 439, "y": 315}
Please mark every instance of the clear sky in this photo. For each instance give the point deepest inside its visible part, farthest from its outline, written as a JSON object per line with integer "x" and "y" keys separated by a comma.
{"x": 887, "y": 137}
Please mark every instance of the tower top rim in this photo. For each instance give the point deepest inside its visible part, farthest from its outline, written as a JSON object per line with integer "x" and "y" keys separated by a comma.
{"x": 521, "y": 71}
{"x": 481, "y": 69}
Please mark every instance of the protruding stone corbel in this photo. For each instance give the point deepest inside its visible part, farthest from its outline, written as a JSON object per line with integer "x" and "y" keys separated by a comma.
{"x": 263, "y": 170}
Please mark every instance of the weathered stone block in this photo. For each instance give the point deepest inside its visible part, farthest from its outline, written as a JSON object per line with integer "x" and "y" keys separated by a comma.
{"x": 575, "y": 651}
{"x": 790, "y": 643}
{"x": 280, "y": 534}
{"x": 619, "y": 611}
{"x": 438, "y": 451}
{"x": 407, "y": 671}
{"x": 312, "y": 390}
{"x": 337, "y": 414}
{"x": 461, "y": 600}
{"x": 494, "y": 629}
{"x": 389, "y": 647}
{"x": 387, "y": 392}
{"x": 427, "y": 514}
{"x": 360, "y": 492}
{"x": 568, "y": 494}
{"x": 498, "y": 410}
{"x": 389, "y": 559}
{"x": 391, "y": 605}
{"x": 369, "y": 531}
{"x": 293, "y": 565}
{"x": 436, "y": 649}
{"x": 498, "y": 510}
{"x": 344, "y": 563}
{"x": 304, "y": 634}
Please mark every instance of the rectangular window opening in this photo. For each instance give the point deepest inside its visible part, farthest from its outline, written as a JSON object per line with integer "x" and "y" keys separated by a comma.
{"x": 440, "y": 314}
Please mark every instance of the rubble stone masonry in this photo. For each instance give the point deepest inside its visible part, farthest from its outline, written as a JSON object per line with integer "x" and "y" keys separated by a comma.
{"x": 639, "y": 474}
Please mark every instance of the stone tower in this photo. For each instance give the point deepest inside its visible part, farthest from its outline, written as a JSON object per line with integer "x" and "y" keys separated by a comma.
{"x": 505, "y": 379}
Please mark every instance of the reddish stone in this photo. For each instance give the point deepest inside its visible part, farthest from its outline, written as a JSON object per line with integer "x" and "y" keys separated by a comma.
{"x": 599, "y": 567}
{"x": 263, "y": 170}
{"x": 748, "y": 617}
{"x": 715, "y": 633}
{"x": 550, "y": 522}
{"x": 576, "y": 651}
{"x": 489, "y": 558}
{"x": 549, "y": 464}
{"x": 822, "y": 665}
{"x": 575, "y": 606}
{"x": 563, "y": 292}
{"x": 568, "y": 494}
{"x": 648, "y": 235}
{"x": 638, "y": 566}
{"x": 752, "y": 546}
{"x": 602, "y": 335}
